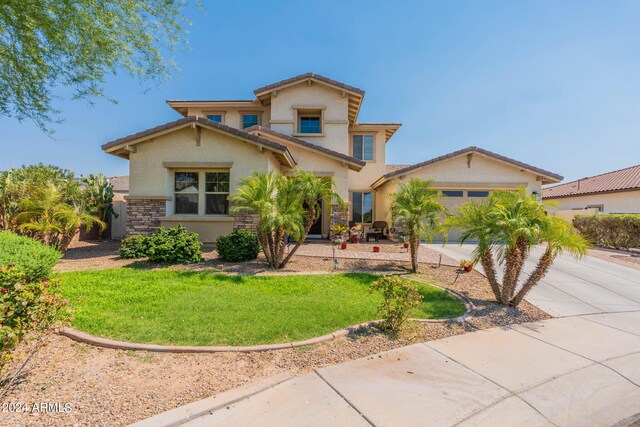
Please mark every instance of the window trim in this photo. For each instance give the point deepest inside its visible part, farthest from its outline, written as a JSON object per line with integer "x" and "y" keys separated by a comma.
{"x": 222, "y": 115}
{"x": 373, "y": 205}
{"x": 308, "y": 111}
{"x": 373, "y": 148}
{"x": 202, "y": 193}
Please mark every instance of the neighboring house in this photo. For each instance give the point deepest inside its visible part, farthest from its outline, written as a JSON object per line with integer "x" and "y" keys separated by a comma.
{"x": 612, "y": 192}
{"x": 120, "y": 185}
{"x": 185, "y": 170}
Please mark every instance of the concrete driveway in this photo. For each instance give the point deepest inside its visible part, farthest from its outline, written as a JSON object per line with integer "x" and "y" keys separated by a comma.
{"x": 582, "y": 369}
{"x": 572, "y": 286}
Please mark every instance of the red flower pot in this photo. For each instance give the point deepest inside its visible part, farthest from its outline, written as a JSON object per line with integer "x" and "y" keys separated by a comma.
{"x": 405, "y": 245}
{"x": 467, "y": 268}
{"x": 343, "y": 246}
{"x": 376, "y": 249}
{"x": 355, "y": 239}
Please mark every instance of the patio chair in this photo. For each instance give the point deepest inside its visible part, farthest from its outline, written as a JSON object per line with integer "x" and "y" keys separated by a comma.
{"x": 381, "y": 227}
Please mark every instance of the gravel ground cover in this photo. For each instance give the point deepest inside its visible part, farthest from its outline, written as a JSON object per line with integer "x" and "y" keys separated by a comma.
{"x": 115, "y": 388}
{"x": 619, "y": 257}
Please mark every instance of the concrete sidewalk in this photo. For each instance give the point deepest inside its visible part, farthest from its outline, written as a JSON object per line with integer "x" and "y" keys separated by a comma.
{"x": 582, "y": 370}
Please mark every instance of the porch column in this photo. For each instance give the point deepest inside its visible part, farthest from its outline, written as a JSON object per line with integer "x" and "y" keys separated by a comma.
{"x": 144, "y": 213}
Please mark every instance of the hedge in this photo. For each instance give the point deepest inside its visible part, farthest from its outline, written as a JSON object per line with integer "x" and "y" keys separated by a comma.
{"x": 29, "y": 256}
{"x": 241, "y": 245}
{"x": 617, "y": 231}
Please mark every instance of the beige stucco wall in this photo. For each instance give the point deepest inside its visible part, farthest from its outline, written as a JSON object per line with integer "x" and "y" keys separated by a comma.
{"x": 621, "y": 202}
{"x": 453, "y": 174}
{"x": 150, "y": 178}
{"x": 330, "y": 100}
{"x": 375, "y": 168}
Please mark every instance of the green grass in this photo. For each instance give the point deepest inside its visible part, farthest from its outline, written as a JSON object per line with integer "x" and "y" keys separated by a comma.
{"x": 191, "y": 308}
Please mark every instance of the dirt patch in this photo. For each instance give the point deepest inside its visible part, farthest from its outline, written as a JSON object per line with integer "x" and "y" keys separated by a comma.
{"x": 114, "y": 387}
{"x": 619, "y": 257}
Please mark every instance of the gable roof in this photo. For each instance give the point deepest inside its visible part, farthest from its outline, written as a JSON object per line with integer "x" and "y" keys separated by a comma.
{"x": 352, "y": 162}
{"x": 548, "y": 177}
{"x": 120, "y": 184}
{"x": 619, "y": 180}
{"x": 263, "y": 94}
{"x": 122, "y": 146}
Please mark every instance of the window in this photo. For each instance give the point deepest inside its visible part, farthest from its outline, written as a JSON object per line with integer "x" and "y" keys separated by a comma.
{"x": 216, "y": 193}
{"x": 309, "y": 124}
{"x": 187, "y": 193}
{"x": 452, "y": 193}
{"x": 363, "y": 147}
{"x": 362, "y": 204}
{"x": 249, "y": 120}
{"x": 215, "y": 118}
{"x": 478, "y": 194}
{"x": 209, "y": 199}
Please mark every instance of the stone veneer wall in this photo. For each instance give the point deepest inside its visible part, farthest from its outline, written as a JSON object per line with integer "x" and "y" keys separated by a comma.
{"x": 338, "y": 217}
{"x": 245, "y": 221}
{"x": 143, "y": 215}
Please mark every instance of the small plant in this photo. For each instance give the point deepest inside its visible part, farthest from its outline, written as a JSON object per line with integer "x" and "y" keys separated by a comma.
{"x": 339, "y": 229}
{"x": 136, "y": 246}
{"x": 26, "y": 307}
{"x": 241, "y": 245}
{"x": 174, "y": 246}
{"x": 399, "y": 296}
{"x": 33, "y": 258}
{"x": 466, "y": 264}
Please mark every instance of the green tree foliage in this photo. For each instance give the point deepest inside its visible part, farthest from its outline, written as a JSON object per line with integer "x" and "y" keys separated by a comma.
{"x": 610, "y": 231}
{"x": 417, "y": 209}
{"x": 45, "y": 203}
{"x": 77, "y": 44}
{"x": 506, "y": 226}
{"x": 241, "y": 245}
{"x": 98, "y": 195}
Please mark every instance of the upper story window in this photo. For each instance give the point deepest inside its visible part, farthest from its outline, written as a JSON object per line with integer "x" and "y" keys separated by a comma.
{"x": 309, "y": 124}
{"x": 478, "y": 193}
{"x": 362, "y": 148}
{"x": 452, "y": 193}
{"x": 249, "y": 120}
{"x": 215, "y": 118}
{"x": 209, "y": 199}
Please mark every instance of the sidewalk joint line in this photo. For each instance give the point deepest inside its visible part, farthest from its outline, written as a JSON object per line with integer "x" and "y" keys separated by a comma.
{"x": 345, "y": 399}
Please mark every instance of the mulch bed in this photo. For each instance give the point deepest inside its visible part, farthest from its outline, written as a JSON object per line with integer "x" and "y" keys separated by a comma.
{"x": 113, "y": 387}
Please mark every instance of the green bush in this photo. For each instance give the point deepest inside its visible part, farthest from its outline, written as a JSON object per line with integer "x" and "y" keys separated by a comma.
{"x": 399, "y": 296}
{"x": 241, "y": 245}
{"x": 174, "y": 245}
{"x": 610, "y": 231}
{"x": 27, "y": 307}
{"x": 29, "y": 256}
{"x": 136, "y": 246}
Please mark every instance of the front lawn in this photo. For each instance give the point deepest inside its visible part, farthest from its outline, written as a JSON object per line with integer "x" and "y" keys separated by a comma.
{"x": 192, "y": 308}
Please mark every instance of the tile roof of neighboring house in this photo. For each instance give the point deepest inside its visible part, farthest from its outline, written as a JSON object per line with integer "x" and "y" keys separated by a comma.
{"x": 468, "y": 150}
{"x": 619, "y": 180}
{"x": 120, "y": 184}
{"x": 392, "y": 168}
{"x": 305, "y": 76}
{"x": 298, "y": 141}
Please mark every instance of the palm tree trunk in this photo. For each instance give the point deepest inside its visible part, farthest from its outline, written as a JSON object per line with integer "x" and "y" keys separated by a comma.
{"x": 414, "y": 243}
{"x": 544, "y": 263}
{"x": 514, "y": 263}
{"x": 308, "y": 223}
{"x": 486, "y": 259}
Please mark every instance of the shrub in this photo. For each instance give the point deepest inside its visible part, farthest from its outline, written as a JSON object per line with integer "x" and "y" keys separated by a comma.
{"x": 610, "y": 231}
{"x": 31, "y": 257}
{"x": 136, "y": 246}
{"x": 174, "y": 245}
{"x": 399, "y": 296}
{"x": 27, "y": 307}
{"x": 241, "y": 245}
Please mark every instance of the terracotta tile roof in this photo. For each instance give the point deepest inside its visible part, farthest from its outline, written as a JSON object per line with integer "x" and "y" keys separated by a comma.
{"x": 619, "y": 180}
{"x": 305, "y": 76}
{"x": 195, "y": 119}
{"x": 402, "y": 171}
{"x": 304, "y": 143}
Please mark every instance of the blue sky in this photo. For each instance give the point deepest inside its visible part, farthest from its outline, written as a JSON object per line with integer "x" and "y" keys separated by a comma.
{"x": 552, "y": 83}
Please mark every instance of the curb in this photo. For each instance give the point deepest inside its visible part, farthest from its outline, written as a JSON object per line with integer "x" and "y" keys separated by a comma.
{"x": 191, "y": 411}
{"x": 86, "y": 338}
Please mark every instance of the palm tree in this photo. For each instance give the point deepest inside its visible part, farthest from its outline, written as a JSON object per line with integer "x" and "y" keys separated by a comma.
{"x": 417, "y": 208}
{"x": 506, "y": 226}
{"x": 98, "y": 196}
{"x": 312, "y": 190}
{"x": 277, "y": 203}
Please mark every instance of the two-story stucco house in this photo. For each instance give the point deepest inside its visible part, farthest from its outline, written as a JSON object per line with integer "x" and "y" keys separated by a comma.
{"x": 184, "y": 171}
